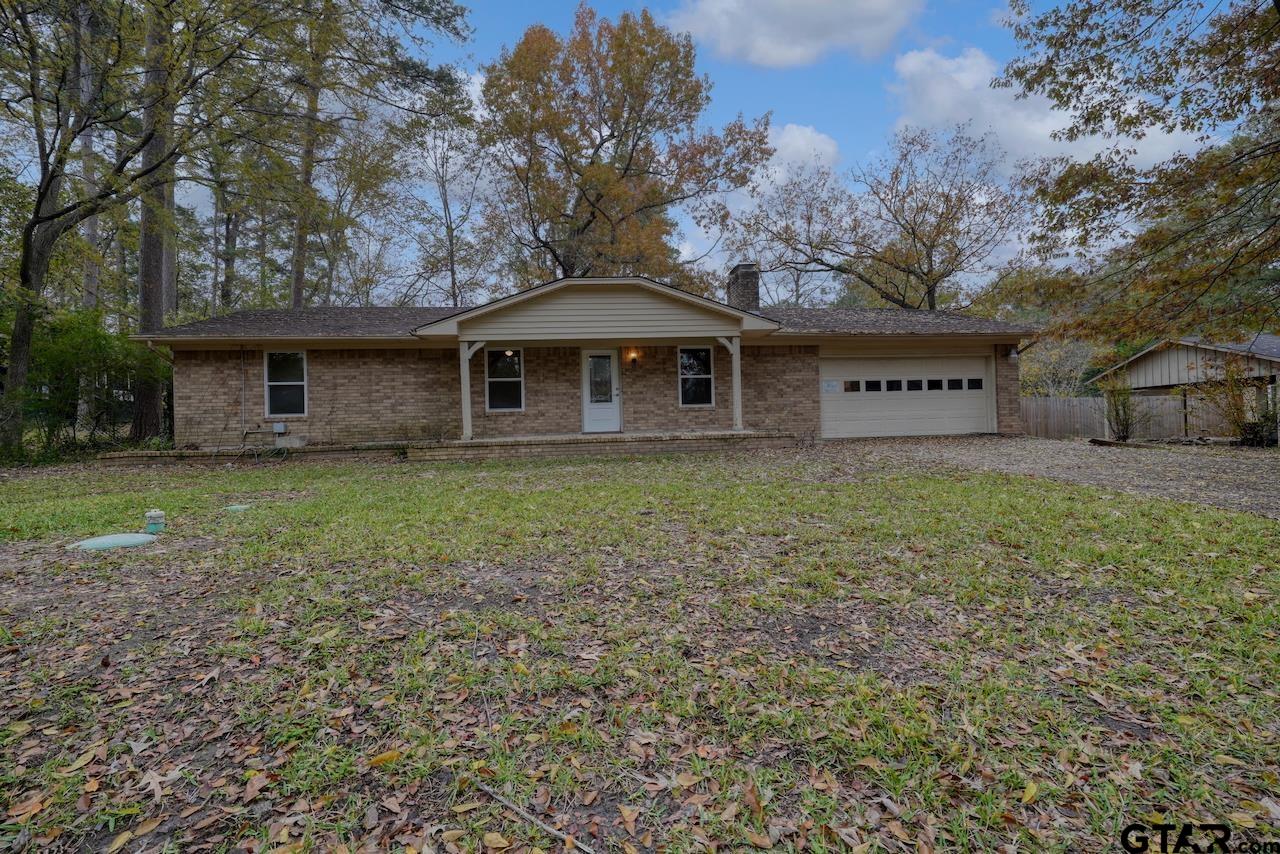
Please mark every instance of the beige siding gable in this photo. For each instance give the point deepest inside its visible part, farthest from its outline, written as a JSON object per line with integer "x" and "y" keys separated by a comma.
{"x": 599, "y": 311}
{"x": 1180, "y": 364}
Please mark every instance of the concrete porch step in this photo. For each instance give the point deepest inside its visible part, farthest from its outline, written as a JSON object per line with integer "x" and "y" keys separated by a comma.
{"x": 600, "y": 444}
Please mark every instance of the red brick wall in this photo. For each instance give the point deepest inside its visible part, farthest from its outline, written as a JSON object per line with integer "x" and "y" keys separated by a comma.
{"x": 352, "y": 396}
{"x": 552, "y": 395}
{"x": 371, "y": 395}
{"x": 651, "y": 392}
{"x": 780, "y": 389}
{"x": 1008, "y": 392}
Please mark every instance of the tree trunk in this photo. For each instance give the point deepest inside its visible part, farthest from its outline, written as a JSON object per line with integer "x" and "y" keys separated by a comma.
{"x": 92, "y": 271}
{"x": 230, "y": 238}
{"x": 38, "y": 239}
{"x": 451, "y": 240}
{"x": 91, "y": 278}
{"x": 147, "y": 416}
{"x": 302, "y": 227}
{"x": 121, "y": 283}
{"x": 170, "y": 228}
{"x": 215, "y": 237}
{"x": 261, "y": 248}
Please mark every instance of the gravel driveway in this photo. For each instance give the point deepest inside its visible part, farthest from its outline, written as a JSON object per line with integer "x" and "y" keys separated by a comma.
{"x": 1234, "y": 478}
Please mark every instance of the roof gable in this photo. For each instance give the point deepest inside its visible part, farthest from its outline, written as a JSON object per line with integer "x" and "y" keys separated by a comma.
{"x": 596, "y": 306}
{"x": 1261, "y": 347}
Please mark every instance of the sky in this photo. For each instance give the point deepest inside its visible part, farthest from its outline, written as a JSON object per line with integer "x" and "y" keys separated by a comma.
{"x": 838, "y": 76}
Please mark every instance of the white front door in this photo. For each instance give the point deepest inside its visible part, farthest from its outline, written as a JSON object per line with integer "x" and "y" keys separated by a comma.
{"x": 601, "y": 392}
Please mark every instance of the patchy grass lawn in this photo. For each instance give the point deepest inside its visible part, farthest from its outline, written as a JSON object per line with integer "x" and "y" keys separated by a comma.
{"x": 791, "y": 650}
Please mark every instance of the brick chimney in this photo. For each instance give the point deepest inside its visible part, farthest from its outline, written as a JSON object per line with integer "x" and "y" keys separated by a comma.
{"x": 744, "y": 287}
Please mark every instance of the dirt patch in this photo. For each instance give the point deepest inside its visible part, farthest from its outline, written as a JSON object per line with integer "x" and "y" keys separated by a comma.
{"x": 1232, "y": 478}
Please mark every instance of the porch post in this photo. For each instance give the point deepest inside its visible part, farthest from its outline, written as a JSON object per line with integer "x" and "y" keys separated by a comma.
{"x": 734, "y": 346}
{"x": 466, "y": 349}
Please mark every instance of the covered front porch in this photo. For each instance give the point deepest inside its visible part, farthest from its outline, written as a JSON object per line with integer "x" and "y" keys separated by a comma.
{"x": 602, "y": 444}
{"x": 511, "y": 389}
{"x": 594, "y": 356}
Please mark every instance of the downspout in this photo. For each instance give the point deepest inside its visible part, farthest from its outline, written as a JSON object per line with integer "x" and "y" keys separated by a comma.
{"x": 242, "y": 392}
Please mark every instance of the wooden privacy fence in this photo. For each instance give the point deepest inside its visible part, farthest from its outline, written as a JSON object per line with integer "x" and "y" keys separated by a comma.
{"x": 1162, "y": 417}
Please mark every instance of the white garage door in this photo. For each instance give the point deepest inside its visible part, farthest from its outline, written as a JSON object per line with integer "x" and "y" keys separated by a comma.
{"x": 906, "y": 396}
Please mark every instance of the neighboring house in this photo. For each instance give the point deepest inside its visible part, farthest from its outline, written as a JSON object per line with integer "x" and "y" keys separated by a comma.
{"x": 589, "y": 355}
{"x": 1167, "y": 374}
{"x": 1170, "y": 366}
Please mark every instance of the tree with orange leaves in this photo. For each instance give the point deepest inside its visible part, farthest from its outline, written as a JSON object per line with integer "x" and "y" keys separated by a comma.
{"x": 599, "y": 141}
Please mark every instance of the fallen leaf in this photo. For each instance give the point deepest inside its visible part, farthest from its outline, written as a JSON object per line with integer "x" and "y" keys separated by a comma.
{"x": 85, "y": 758}
{"x": 146, "y": 827}
{"x": 27, "y": 808}
{"x": 629, "y": 815}
{"x": 1029, "y": 793}
{"x": 385, "y": 758}
{"x": 467, "y": 807}
{"x": 496, "y": 840}
{"x": 119, "y": 842}
{"x": 759, "y": 840}
{"x": 752, "y": 795}
{"x": 256, "y": 784}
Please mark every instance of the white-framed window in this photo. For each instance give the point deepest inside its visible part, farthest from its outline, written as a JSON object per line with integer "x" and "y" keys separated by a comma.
{"x": 504, "y": 379}
{"x": 697, "y": 385}
{"x": 285, "y": 374}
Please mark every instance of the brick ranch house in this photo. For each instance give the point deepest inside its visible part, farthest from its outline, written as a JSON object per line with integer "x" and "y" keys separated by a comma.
{"x": 588, "y": 360}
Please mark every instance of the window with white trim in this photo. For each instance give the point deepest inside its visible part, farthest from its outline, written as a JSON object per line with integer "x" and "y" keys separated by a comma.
{"x": 286, "y": 379}
{"x": 696, "y": 385}
{"x": 504, "y": 379}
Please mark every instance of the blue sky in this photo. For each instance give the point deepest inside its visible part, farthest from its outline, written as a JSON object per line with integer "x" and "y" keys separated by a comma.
{"x": 838, "y": 75}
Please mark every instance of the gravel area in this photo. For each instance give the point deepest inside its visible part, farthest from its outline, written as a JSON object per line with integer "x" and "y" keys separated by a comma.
{"x": 1233, "y": 478}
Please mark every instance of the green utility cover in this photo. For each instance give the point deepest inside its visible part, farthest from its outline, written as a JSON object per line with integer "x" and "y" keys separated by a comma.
{"x": 113, "y": 541}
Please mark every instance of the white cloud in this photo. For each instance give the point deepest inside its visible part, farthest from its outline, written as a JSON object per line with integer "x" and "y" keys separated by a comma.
{"x": 942, "y": 91}
{"x": 800, "y": 144}
{"x": 781, "y": 33}
{"x": 473, "y": 85}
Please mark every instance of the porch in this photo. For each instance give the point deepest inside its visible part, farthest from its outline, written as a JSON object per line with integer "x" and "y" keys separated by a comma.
{"x": 603, "y": 444}
{"x": 552, "y": 388}
{"x": 507, "y": 447}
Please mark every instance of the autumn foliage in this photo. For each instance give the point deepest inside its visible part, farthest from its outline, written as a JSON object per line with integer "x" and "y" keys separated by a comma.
{"x": 1188, "y": 243}
{"x": 597, "y": 136}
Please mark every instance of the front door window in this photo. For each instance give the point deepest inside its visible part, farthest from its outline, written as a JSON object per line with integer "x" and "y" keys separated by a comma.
{"x": 601, "y": 378}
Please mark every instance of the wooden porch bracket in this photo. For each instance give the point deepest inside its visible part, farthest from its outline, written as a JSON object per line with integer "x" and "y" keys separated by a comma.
{"x": 466, "y": 349}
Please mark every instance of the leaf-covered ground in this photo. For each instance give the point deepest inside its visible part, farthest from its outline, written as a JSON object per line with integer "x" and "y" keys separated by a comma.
{"x": 799, "y": 650}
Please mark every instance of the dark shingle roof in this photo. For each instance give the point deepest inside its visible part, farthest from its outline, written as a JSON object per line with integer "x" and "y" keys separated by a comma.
{"x": 1262, "y": 345}
{"x": 330, "y": 322}
{"x": 889, "y": 321}
{"x": 400, "y": 322}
